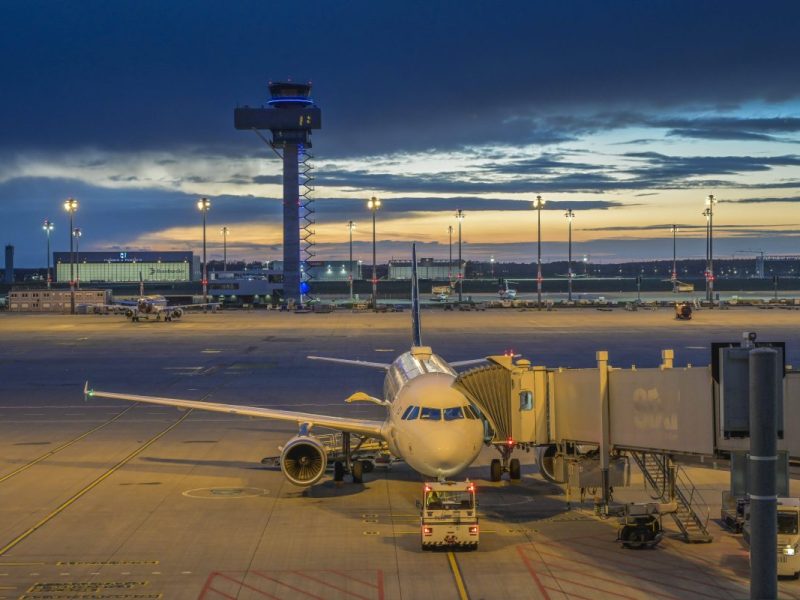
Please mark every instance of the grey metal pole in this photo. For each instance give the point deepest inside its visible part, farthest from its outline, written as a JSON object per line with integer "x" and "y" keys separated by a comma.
{"x": 374, "y": 267}
{"x": 674, "y": 258}
{"x": 460, "y": 263}
{"x": 71, "y": 269}
{"x": 569, "y": 263}
{"x": 205, "y": 263}
{"x": 763, "y": 459}
{"x": 711, "y": 251}
{"x": 605, "y": 436}
{"x": 450, "y": 259}
{"x": 77, "y": 233}
{"x": 350, "y": 227}
{"x": 539, "y": 254}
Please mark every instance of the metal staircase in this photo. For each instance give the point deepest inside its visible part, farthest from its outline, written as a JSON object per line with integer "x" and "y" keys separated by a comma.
{"x": 666, "y": 482}
{"x": 307, "y": 219}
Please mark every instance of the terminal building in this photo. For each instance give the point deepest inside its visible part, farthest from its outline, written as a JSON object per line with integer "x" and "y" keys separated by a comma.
{"x": 128, "y": 266}
{"x": 427, "y": 268}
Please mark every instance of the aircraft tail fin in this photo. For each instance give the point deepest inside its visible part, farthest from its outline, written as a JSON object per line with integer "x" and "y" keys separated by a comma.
{"x": 416, "y": 328}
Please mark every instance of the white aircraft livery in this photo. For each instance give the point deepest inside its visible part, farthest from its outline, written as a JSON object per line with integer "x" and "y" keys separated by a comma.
{"x": 428, "y": 423}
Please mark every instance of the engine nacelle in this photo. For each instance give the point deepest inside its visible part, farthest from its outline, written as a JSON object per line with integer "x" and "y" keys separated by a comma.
{"x": 177, "y": 313}
{"x": 303, "y": 460}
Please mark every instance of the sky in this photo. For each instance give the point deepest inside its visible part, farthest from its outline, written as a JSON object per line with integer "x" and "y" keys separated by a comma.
{"x": 628, "y": 113}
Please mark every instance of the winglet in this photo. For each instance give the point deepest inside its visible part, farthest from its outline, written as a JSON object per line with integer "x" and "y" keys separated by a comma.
{"x": 87, "y": 393}
{"x": 416, "y": 327}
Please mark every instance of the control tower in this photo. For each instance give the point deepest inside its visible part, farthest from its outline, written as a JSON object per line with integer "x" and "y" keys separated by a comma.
{"x": 290, "y": 115}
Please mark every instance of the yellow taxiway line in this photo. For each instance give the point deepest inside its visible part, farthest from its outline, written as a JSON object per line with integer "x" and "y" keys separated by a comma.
{"x": 462, "y": 590}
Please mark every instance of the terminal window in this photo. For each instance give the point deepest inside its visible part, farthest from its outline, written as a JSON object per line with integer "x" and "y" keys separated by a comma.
{"x": 526, "y": 400}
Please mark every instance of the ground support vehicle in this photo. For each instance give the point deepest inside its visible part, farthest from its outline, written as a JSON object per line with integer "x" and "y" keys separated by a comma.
{"x": 788, "y": 536}
{"x": 640, "y": 526}
{"x": 732, "y": 512}
{"x": 683, "y": 311}
{"x": 449, "y": 516}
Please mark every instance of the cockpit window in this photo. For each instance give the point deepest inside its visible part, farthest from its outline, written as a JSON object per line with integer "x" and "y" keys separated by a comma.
{"x": 431, "y": 414}
{"x": 451, "y": 414}
{"x": 412, "y": 412}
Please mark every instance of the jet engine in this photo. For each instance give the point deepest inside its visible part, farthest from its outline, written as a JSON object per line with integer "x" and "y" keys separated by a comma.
{"x": 303, "y": 460}
{"x": 177, "y": 313}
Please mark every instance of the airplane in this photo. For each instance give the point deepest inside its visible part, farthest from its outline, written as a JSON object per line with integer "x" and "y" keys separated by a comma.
{"x": 506, "y": 293}
{"x": 429, "y": 425}
{"x": 154, "y": 307}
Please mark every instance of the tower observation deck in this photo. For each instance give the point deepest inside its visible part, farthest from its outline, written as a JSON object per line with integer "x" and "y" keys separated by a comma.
{"x": 290, "y": 115}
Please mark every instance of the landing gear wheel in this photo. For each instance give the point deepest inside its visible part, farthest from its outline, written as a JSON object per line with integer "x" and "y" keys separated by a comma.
{"x": 514, "y": 469}
{"x": 368, "y": 466}
{"x": 496, "y": 469}
{"x": 358, "y": 472}
{"x": 338, "y": 471}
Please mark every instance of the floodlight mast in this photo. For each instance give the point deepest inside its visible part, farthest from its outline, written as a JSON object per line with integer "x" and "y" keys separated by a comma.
{"x": 290, "y": 116}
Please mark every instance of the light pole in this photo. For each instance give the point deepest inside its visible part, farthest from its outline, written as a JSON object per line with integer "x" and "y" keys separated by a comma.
{"x": 709, "y": 212}
{"x": 203, "y": 204}
{"x": 674, "y": 230}
{"x": 71, "y": 205}
{"x": 491, "y": 262}
{"x": 224, "y": 231}
{"x": 48, "y": 227}
{"x": 460, "y": 218}
{"x": 350, "y": 226}
{"x": 373, "y": 204}
{"x": 538, "y": 204}
{"x": 450, "y": 259}
{"x": 77, "y": 233}
{"x": 569, "y": 215}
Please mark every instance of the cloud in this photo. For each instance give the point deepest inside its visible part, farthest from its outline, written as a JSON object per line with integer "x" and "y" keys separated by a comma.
{"x": 786, "y": 200}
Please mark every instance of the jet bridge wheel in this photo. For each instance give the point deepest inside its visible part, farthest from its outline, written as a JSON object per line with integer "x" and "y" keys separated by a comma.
{"x": 514, "y": 469}
{"x": 496, "y": 469}
{"x": 358, "y": 472}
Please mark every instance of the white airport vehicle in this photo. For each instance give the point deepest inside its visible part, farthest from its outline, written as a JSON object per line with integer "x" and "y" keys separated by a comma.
{"x": 429, "y": 424}
{"x": 449, "y": 515}
{"x": 440, "y": 293}
{"x": 788, "y": 536}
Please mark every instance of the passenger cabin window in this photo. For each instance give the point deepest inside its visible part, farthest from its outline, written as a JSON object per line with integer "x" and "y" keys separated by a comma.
{"x": 526, "y": 400}
{"x": 412, "y": 412}
{"x": 430, "y": 414}
{"x": 451, "y": 414}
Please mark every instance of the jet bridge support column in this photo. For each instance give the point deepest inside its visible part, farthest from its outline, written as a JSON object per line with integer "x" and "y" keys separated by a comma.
{"x": 763, "y": 457}
{"x": 602, "y": 366}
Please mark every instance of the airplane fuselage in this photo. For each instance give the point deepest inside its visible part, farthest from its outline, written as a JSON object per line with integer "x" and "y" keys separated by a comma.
{"x": 430, "y": 425}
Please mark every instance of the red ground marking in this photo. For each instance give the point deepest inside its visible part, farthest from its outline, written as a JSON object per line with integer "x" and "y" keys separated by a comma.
{"x": 223, "y": 594}
{"x": 380, "y": 584}
{"x": 664, "y": 570}
{"x": 559, "y": 578}
{"x": 531, "y": 570}
{"x": 291, "y": 587}
{"x": 330, "y": 585}
{"x": 645, "y": 579}
{"x": 240, "y": 583}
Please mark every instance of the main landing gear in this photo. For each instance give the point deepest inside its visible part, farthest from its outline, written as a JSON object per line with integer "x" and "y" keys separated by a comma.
{"x": 356, "y": 468}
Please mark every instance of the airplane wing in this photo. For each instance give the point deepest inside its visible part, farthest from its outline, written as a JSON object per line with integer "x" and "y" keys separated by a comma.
{"x": 185, "y": 306}
{"x": 361, "y": 426}
{"x": 358, "y": 363}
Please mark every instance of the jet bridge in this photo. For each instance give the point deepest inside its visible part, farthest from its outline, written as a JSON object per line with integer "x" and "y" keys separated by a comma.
{"x": 590, "y": 424}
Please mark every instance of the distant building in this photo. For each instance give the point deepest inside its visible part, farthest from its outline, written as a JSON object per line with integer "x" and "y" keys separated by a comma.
{"x": 427, "y": 268}
{"x": 55, "y": 300}
{"x": 128, "y": 266}
{"x": 327, "y": 270}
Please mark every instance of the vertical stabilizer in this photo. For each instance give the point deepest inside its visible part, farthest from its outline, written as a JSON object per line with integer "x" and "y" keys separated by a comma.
{"x": 416, "y": 329}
